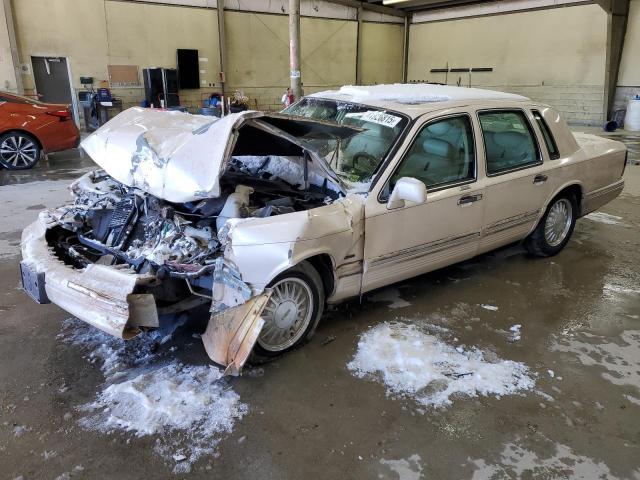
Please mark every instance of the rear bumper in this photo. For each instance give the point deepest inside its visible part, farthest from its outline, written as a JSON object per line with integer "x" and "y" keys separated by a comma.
{"x": 61, "y": 136}
{"x": 594, "y": 200}
{"x": 103, "y": 296}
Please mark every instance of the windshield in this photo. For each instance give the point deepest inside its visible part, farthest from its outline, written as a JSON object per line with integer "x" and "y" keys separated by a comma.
{"x": 358, "y": 158}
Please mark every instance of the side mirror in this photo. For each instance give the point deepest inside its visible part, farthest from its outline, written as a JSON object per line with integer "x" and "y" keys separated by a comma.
{"x": 409, "y": 189}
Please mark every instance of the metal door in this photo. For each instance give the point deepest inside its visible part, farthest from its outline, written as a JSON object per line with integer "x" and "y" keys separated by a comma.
{"x": 52, "y": 79}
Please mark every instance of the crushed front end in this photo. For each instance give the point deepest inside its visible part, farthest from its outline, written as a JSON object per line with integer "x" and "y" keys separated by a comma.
{"x": 148, "y": 235}
{"x": 117, "y": 257}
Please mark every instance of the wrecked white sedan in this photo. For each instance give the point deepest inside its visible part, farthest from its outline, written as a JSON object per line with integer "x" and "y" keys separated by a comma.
{"x": 268, "y": 217}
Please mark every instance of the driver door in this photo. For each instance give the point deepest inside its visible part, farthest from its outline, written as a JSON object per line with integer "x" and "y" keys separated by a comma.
{"x": 416, "y": 238}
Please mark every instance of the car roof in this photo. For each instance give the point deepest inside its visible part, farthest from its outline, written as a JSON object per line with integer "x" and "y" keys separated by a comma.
{"x": 415, "y": 99}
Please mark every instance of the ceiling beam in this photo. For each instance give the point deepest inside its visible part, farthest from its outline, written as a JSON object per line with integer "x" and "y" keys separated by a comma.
{"x": 429, "y": 4}
{"x": 371, "y": 7}
{"x": 488, "y": 9}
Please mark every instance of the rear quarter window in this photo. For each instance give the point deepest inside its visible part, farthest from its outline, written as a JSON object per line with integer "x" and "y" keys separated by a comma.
{"x": 547, "y": 135}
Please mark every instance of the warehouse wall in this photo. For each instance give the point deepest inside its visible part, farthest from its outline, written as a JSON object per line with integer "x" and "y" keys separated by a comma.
{"x": 258, "y": 54}
{"x": 72, "y": 28}
{"x": 382, "y": 45}
{"x": 8, "y": 72}
{"x": 95, "y": 33}
{"x": 555, "y": 56}
{"x": 148, "y": 36}
{"x": 629, "y": 76}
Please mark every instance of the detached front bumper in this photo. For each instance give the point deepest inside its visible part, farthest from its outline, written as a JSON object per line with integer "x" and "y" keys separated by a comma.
{"x": 103, "y": 296}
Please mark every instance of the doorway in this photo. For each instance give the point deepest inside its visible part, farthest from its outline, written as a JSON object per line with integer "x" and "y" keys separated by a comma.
{"x": 51, "y": 76}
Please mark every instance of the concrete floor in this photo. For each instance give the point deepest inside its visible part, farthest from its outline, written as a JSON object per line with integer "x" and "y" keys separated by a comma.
{"x": 309, "y": 417}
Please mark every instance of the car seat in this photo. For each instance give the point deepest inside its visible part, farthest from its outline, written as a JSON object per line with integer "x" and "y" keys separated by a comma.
{"x": 508, "y": 149}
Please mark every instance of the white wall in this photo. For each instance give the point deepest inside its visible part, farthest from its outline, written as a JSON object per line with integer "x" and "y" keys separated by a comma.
{"x": 556, "y": 56}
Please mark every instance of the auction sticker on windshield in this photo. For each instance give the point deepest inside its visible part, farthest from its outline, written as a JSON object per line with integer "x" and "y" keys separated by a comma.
{"x": 381, "y": 118}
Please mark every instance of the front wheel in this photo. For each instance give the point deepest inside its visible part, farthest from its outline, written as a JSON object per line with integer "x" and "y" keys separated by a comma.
{"x": 18, "y": 151}
{"x": 555, "y": 228}
{"x": 292, "y": 312}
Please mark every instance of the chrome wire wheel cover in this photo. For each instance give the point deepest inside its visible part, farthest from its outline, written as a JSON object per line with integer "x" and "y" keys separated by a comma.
{"x": 287, "y": 314}
{"x": 558, "y": 222}
{"x": 18, "y": 151}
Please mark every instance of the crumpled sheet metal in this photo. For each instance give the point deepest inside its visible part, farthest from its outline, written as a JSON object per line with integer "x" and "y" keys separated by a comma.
{"x": 172, "y": 155}
{"x": 177, "y": 156}
{"x": 232, "y": 333}
{"x": 100, "y": 295}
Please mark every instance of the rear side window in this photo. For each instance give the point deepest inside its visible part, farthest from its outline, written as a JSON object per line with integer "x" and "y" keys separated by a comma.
{"x": 509, "y": 141}
{"x": 549, "y": 141}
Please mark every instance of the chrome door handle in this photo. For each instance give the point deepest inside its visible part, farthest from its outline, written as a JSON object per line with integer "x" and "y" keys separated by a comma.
{"x": 469, "y": 199}
{"x": 540, "y": 179}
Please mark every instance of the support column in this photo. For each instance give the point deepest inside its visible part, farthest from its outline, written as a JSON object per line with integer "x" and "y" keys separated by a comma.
{"x": 222, "y": 45}
{"x": 617, "y": 16}
{"x": 9, "y": 58}
{"x": 359, "y": 49}
{"x": 405, "y": 49}
{"x": 294, "y": 48}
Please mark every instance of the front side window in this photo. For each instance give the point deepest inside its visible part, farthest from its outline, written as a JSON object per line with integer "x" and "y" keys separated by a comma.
{"x": 508, "y": 141}
{"x": 443, "y": 153}
{"x": 549, "y": 141}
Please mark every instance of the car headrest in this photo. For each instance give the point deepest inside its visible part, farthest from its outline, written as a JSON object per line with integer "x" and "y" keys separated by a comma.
{"x": 439, "y": 129}
{"x": 435, "y": 146}
{"x": 510, "y": 140}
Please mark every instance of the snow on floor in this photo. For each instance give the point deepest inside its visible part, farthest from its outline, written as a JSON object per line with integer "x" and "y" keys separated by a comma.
{"x": 620, "y": 358}
{"x": 491, "y": 308}
{"x": 516, "y": 333}
{"x": 605, "y": 218}
{"x": 613, "y": 289}
{"x": 405, "y": 469}
{"x": 519, "y": 462}
{"x": 190, "y": 408}
{"x": 391, "y": 295}
{"x": 116, "y": 358}
{"x": 420, "y": 366}
{"x": 192, "y": 405}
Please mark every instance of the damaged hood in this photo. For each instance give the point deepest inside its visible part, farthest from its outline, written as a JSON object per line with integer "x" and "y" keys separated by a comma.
{"x": 180, "y": 157}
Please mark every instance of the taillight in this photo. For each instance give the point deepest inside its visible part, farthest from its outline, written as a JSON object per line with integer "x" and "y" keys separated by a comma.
{"x": 61, "y": 114}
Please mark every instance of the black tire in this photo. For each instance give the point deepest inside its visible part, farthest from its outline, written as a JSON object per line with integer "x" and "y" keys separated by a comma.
{"x": 303, "y": 272}
{"x": 538, "y": 243}
{"x": 18, "y": 151}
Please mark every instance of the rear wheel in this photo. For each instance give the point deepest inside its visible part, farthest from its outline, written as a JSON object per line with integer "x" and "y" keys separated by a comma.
{"x": 18, "y": 151}
{"x": 555, "y": 228}
{"x": 292, "y": 312}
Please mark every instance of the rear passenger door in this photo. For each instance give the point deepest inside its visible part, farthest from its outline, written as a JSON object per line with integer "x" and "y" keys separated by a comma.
{"x": 517, "y": 182}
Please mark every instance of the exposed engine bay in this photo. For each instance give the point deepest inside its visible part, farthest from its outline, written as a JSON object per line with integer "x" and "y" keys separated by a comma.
{"x": 138, "y": 229}
{"x": 113, "y": 224}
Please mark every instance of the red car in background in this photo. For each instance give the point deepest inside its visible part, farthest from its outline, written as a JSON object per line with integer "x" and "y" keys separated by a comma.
{"x": 29, "y": 127}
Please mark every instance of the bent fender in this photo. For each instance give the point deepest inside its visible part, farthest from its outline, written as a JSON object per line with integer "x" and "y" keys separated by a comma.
{"x": 232, "y": 333}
